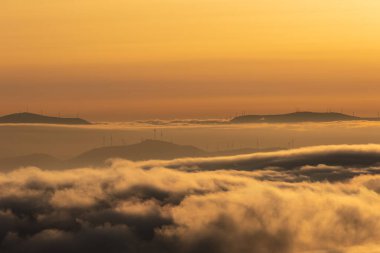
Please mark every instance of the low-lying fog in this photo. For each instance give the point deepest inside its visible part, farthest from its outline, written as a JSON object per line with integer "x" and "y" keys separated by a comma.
{"x": 68, "y": 141}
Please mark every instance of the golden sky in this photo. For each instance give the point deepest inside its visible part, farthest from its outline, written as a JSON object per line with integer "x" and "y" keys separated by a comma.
{"x": 135, "y": 59}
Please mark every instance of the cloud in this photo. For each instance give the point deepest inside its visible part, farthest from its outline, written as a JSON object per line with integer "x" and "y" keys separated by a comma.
{"x": 212, "y": 205}
{"x": 317, "y": 163}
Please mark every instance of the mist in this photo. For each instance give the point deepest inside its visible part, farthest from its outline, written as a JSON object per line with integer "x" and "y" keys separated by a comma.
{"x": 69, "y": 141}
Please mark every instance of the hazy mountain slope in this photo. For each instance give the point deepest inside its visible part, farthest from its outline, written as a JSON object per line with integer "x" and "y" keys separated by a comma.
{"x": 38, "y": 160}
{"x": 146, "y": 150}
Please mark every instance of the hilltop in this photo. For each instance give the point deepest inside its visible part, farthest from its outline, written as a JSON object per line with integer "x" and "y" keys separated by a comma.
{"x": 26, "y": 117}
{"x": 145, "y": 150}
{"x": 151, "y": 150}
{"x": 297, "y": 117}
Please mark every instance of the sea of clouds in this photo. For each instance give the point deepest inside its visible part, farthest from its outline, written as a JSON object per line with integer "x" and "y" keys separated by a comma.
{"x": 317, "y": 199}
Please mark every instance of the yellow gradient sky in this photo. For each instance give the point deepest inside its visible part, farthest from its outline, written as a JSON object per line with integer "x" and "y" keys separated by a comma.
{"x": 138, "y": 59}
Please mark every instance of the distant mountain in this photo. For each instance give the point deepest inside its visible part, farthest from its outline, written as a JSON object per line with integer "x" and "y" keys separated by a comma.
{"x": 26, "y": 117}
{"x": 145, "y": 150}
{"x": 298, "y": 117}
{"x": 151, "y": 150}
{"x": 35, "y": 160}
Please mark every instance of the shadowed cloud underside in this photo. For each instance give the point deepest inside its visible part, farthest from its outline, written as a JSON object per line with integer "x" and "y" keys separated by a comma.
{"x": 132, "y": 208}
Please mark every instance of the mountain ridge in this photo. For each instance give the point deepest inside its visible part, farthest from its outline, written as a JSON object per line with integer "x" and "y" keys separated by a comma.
{"x": 33, "y": 118}
{"x": 299, "y": 117}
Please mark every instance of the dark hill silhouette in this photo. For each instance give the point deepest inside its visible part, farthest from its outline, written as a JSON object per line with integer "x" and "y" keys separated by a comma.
{"x": 145, "y": 150}
{"x": 298, "y": 117}
{"x": 26, "y": 117}
{"x": 36, "y": 160}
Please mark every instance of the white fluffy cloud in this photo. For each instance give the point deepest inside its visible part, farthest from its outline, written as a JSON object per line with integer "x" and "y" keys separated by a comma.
{"x": 128, "y": 208}
{"x": 319, "y": 199}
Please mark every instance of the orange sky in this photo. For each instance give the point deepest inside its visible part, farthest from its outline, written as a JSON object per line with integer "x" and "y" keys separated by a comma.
{"x": 136, "y": 59}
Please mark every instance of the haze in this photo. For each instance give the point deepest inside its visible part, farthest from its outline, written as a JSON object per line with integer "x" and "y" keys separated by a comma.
{"x": 70, "y": 141}
{"x": 124, "y": 60}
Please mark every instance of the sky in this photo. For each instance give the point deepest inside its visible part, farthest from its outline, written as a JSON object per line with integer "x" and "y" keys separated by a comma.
{"x": 138, "y": 59}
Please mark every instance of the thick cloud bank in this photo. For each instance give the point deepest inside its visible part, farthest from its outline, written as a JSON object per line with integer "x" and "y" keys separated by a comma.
{"x": 128, "y": 208}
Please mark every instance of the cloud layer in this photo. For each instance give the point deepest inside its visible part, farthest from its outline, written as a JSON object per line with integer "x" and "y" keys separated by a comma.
{"x": 129, "y": 208}
{"x": 317, "y": 163}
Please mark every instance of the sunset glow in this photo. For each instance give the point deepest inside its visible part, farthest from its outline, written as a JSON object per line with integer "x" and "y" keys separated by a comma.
{"x": 183, "y": 59}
